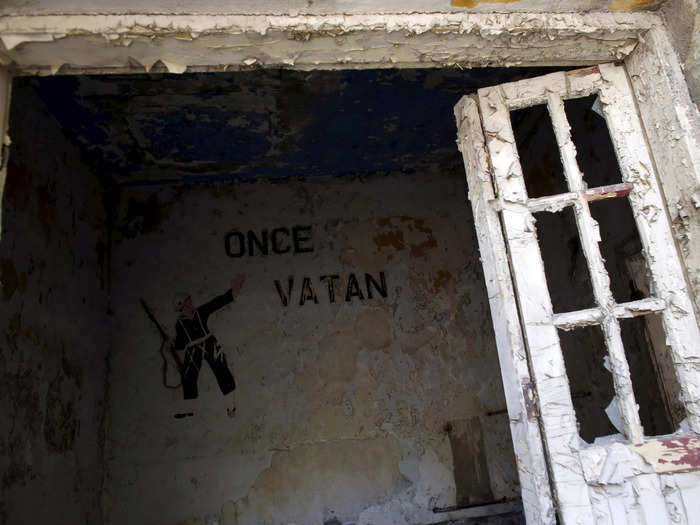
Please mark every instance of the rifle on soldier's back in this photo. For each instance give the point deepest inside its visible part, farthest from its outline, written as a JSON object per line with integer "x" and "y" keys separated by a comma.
{"x": 165, "y": 339}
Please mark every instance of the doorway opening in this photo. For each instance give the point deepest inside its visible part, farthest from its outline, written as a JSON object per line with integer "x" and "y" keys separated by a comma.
{"x": 332, "y": 206}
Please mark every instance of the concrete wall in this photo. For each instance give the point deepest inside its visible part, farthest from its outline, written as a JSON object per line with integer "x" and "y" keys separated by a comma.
{"x": 347, "y": 410}
{"x": 53, "y": 321}
{"x": 683, "y": 22}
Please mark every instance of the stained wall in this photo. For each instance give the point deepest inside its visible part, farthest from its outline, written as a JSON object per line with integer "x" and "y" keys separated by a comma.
{"x": 53, "y": 317}
{"x": 347, "y": 405}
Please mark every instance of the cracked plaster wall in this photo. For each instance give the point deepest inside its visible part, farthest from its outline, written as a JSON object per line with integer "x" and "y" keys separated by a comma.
{"x": 52, "y": 318}
{"x": 341, "y": 407}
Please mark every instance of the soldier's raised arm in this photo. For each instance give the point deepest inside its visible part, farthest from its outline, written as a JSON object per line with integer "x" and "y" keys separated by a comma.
{"x": 222, "y": 300}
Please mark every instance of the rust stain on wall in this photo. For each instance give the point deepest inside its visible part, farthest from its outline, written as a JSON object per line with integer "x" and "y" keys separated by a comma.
{"x": 401, "y": 228}
{"x": 11, "y": 280}
{"x": 626, "y": 5}
{"x": 441, "y": 279}
{"x": 473, "y": 3}
{"x": 392, "y": 239}
{"x": 418, "y": 250}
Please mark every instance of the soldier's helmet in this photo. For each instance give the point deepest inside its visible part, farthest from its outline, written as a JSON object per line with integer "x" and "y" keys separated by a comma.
{"x": 179, "y": 300}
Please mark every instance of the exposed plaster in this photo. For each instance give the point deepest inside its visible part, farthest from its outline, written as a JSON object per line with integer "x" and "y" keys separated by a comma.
{"x": 133, "y": 42}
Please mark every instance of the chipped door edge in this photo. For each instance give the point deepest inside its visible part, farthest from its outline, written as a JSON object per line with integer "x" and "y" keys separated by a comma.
{"x": 525, "y": 430}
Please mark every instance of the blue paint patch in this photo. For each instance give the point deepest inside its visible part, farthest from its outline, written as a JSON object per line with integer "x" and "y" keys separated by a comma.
{"x": 195, "y": 128}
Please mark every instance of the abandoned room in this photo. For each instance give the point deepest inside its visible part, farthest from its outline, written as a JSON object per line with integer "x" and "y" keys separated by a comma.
{"x": 368, "y": 289}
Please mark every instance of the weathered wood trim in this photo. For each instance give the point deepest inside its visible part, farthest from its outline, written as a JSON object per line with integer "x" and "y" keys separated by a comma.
{"x": 137, "y": 42}
{"x": 527, "y": 440}
{"x": 589, "y": 236}
{"x": 668, "y": 279}
{"x": 594, "y": 316}
{"x": 555, "y": 203}
{"x": 672, "y": 125}
{"x": 556, "y": 409}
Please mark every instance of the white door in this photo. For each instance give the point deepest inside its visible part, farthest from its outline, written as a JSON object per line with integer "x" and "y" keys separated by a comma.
{"x": 632, "y": 478}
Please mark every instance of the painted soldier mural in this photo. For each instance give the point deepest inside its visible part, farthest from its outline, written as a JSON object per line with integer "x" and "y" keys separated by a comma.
{"x": 194, "y": 343}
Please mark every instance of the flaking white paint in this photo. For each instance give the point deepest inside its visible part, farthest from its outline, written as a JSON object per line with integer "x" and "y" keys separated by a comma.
{"x": 527, "y": 440}
{"x": 547, "y": 364}
{"x": 600, "y": 281}
{"x": 117, "y": 42}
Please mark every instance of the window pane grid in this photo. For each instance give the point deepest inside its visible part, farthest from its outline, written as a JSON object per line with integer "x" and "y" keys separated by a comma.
{"x": 680, "y": 325}
{"x": 555, "y": 203}
{"x": 590, "y": 237}
{"x": 594, "y": 316}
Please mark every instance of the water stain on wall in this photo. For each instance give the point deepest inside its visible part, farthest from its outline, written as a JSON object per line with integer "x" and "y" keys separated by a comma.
{"x": 372, "y": 329}
{"x": 343, "y": 476}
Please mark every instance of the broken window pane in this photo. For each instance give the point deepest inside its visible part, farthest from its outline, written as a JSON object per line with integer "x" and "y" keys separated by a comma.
{"x": 650, "y": 362}
{"x": 595, "y": 154}
{"x": 565, "y": 266}
{"x": 621, "y": 249}
{"x": 538, "y": 151}
{"x": 591, "y": 384}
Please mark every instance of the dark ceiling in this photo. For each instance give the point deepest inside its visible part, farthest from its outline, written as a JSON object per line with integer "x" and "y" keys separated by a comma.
{"x": 160, "y": 128}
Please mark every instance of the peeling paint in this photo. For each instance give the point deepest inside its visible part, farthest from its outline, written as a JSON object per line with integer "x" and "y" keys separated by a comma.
{"x": 114, "y": 42}
{"x": 671, "y": 454}
{"x": 581, "y": 474}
